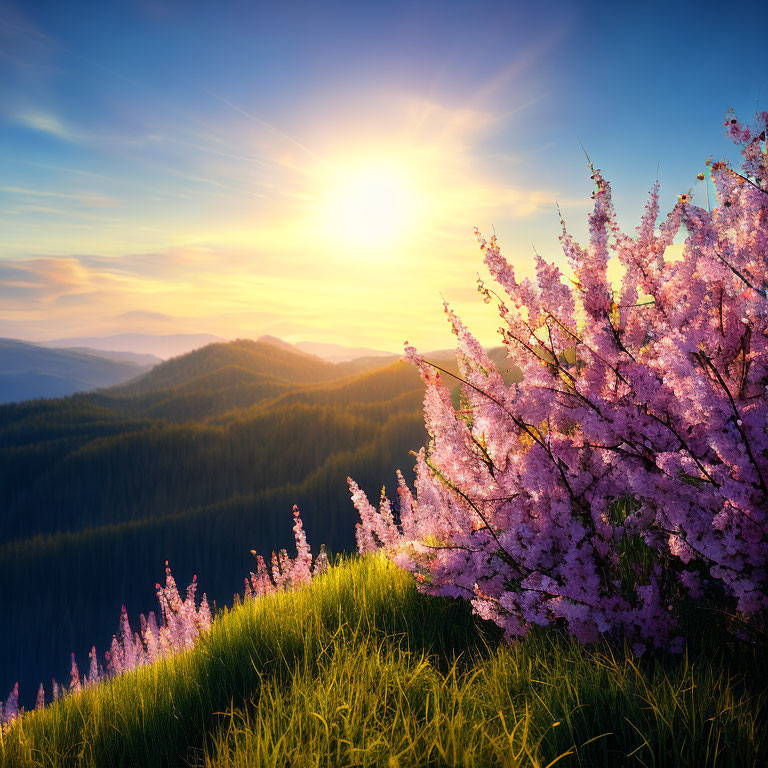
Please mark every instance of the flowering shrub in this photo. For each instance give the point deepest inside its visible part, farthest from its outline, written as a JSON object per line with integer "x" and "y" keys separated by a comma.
{"x": 181, "y": 623}
{"x": 630, "y": 465}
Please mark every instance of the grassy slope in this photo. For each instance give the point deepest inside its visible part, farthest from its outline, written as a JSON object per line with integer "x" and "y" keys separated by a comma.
{"x": 360, "y": 670}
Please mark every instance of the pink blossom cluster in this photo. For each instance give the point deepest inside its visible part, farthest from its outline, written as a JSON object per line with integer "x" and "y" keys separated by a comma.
{"x": 181, "y": 622}
{"x": 640, "y": 424}
{"x": 286, "y": 573}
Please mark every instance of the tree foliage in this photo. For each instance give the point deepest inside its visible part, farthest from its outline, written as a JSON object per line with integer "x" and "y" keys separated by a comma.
{"x": 629, "y": 468}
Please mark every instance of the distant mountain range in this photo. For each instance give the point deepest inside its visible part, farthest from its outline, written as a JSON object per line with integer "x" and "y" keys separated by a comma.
{"x": 165, "y": 346}
{"x": 29, "y": 371}
{"x": 159, "y": 345}
{"x": 61, "y": 367}
{"x": 333, "y": 353}
{"x": 142, "y": 359}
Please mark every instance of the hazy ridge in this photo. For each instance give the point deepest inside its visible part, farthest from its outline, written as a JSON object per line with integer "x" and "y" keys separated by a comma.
{"x": 29, "y": 371}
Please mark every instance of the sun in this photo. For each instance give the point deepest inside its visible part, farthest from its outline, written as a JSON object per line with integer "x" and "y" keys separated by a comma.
{"x": 370, "y": 203}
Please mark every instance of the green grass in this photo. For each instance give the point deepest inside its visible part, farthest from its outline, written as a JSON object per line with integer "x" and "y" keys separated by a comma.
{"x": 360, "y": 670}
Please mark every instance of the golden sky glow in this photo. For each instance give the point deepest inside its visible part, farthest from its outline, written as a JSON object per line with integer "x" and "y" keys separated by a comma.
{"x": 354, "y": 239}
{"x": 324, "y": 190}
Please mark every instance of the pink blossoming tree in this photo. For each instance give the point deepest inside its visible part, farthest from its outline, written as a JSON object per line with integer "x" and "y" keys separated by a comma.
{"x": 630, "y": 465}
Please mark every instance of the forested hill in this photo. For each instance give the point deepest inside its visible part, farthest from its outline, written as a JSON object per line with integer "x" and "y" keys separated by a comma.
{"x": 216, "y": 364}
{"x": 196, "y": 462}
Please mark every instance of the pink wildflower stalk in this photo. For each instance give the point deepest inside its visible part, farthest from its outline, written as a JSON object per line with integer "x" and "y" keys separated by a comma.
{"x": 259, "y": 582}
{"x": 74, "y": 676}
{"x": 301, "y": 571}
{"x": 10, "y": 711}
{"x": 204, "y": 617}
{"x": 321, "y": 563}
{"x": 94, "y": 675}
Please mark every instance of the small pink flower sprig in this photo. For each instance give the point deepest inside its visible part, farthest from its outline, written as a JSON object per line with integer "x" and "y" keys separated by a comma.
{"x": 286, "y": 573}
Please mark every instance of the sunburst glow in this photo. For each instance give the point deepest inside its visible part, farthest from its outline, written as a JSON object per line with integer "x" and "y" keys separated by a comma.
{"x": 372, "y": 203}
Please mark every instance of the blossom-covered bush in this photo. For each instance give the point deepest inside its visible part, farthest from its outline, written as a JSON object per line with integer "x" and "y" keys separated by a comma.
{"x": 181, "y": 622}
{"x": 629, "y": 466}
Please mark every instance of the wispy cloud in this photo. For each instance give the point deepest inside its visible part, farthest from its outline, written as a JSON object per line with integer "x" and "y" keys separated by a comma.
{"x": 282, "y": 135}
{"x": 49, "y": 124}
{"x": 86, "y": 199}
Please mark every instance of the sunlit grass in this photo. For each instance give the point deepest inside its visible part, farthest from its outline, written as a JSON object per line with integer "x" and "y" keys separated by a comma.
{"x": 360, "y": 670}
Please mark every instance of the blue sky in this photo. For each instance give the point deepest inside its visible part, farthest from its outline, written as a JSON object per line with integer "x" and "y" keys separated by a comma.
{"x": 200, "y": 167}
